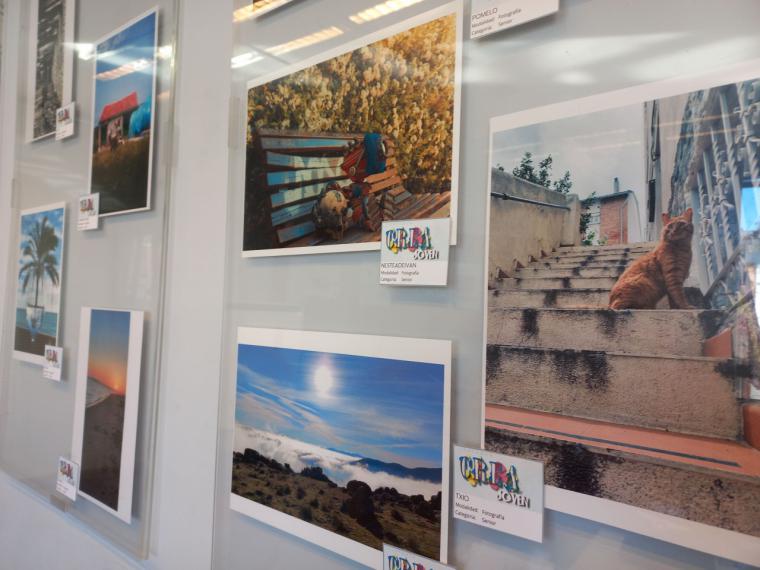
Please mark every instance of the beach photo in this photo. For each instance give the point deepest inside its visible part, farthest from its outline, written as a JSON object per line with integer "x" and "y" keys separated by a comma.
{"x": 123, "y": 116}
{"x": 365, "y": 133}
{"x": 622, "y": 334}
{"x": 51, "y": 72}
{"x": 343, "y": 448}
{"x": 38, "y": 285}
{"x": 106, "y": 407}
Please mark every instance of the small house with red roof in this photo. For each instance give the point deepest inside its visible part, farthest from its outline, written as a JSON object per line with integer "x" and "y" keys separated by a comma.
{"x": 113, "y": 123}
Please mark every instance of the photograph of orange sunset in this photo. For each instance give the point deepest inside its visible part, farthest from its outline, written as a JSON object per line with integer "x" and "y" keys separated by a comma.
{"x": 104, "y": 414}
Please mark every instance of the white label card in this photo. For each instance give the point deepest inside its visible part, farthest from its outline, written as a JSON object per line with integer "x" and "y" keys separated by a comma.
{"x": 67, "y": 481}
{"x": 64, "y": 121}
{"x": 490, "y": 16}
{"x": 53, "y": 363}
{"x": 415, "y": 252}
{"x": 501, "y": 492}
{"x": 398, "y": 559}
{"x": 89, "y": 210}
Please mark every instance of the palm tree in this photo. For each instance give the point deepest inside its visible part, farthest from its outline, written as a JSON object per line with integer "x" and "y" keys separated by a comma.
{"x": 37, "y": 251}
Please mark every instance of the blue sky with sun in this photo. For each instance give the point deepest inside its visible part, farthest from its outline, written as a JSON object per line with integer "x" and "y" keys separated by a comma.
{"x": 391, "y": 410}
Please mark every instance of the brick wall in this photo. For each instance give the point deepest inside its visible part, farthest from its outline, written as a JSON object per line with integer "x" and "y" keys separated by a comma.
{"x": 613, "y": 219}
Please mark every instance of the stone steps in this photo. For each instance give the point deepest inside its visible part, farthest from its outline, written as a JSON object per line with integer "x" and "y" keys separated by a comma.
{"x": 636, "y": 247}
{"x": 613, "y": 258}
{"x": 656, "y": 333}
{"x": 620, "y": 405}
{"x": 513, "y": 283}
{"x": 593, "y": 271}
{"x": 715, "y": 498}
{"x": 705, "y": 453}
{"x": 568, "y": 298}
{"x": 559, "y": 298}
{"x": 543, "y": 264}
{"x": 658, "y": 392}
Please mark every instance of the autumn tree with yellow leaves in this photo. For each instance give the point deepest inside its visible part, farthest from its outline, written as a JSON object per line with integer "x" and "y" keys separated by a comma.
{"x": 401, "y": 87}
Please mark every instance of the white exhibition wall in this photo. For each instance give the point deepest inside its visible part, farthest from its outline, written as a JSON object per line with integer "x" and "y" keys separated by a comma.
{"x": 591, "y": 46}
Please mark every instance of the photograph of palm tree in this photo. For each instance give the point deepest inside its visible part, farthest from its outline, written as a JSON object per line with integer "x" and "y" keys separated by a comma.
{"x": 352, "y": 441}
{"x": 38, "y": 290}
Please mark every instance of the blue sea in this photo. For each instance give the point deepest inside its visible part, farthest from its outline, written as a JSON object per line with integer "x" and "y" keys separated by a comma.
{"x": 49, "y": 322}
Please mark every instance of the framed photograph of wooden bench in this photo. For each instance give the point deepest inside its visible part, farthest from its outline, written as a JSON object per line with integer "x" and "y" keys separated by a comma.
{"x": 363, "y": 133}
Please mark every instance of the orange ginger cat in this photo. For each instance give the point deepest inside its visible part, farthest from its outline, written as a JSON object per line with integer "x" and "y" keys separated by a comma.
{"x": 660, "y": 272}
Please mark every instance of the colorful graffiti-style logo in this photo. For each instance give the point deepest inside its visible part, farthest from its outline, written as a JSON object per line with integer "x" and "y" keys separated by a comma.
{"x": 477, "y": 471}
{"x": 398, "y": 563}
{"x": 408, "y": 239}
{"x": 66, "y": 469}
{"x": 86, "y": 204}
{"x": 51, "y": 356}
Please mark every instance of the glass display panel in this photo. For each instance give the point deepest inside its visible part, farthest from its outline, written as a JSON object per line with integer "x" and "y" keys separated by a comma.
{"x": 620, "y": 117}
{"x": 113, "y": 61}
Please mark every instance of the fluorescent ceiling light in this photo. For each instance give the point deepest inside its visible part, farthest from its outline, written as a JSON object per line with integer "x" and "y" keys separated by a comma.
{"x": 304, "y": 41}
{"x": 122, "y": 70}
{"x": 245, "y": 59}
{"x": 380, "y": 10}
{"x": 84, "y": 51}
{"x": 165, "y": 52}
{"x": 256, "y": 9}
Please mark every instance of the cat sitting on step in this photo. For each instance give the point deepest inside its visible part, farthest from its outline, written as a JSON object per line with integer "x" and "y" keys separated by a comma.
{"x": 660, "y": 272}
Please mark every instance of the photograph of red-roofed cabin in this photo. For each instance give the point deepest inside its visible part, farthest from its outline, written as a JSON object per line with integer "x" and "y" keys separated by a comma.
{"x": 367, "y": 135}
{"x": 110, "y": 131}
{"x": 123, "y": 118}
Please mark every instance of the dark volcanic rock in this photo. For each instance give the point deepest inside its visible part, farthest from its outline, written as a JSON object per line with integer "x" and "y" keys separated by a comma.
{"x": 384, "y": 495}
{"x": 254, "y": 457}
{"x": 361, "y": 508}
{"x": 317, "y": 474}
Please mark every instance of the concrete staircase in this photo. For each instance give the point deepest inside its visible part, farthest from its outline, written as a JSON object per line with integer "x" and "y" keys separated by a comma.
{"x": 563, "y": 370}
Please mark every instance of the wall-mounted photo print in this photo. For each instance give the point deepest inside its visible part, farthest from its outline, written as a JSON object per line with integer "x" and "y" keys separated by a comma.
{"x": 38, "y": 285}
{"x": 622, "y": 327}
{"x": 51, "y": 72}
{"x": 2, "y": 18}
{"x": 106, "y": 405}
{"x": 343, "y": 440}
{"x": 123, "y": 117}
{"x": 365, "y": 133}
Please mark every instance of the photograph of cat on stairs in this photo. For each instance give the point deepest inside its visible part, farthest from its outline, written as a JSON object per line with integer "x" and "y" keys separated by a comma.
{"x": 622, "y": 335}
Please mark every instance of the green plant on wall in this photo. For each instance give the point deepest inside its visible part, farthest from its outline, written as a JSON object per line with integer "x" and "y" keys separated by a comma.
{"x": 588, "y": 239}
{"x": 541, "y": 174}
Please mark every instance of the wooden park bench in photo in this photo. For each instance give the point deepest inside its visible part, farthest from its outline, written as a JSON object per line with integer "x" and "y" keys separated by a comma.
{"x": 299, "y": 165}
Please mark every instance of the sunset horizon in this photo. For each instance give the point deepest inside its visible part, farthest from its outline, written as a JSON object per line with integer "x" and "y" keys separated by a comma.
{"x": 109, "y": 348}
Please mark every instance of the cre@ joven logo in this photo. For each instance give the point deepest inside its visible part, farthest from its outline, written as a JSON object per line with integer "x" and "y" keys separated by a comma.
{"x": 398, "y": 563}
{"x": 416, "y": 240}
{"x": 477, "y": 471}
